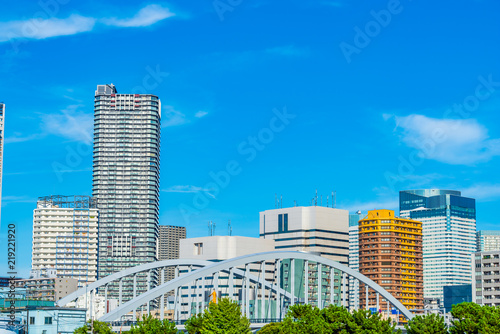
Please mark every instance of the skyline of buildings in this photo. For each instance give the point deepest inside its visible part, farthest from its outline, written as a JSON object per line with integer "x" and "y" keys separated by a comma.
{"x": 126, "y": 175}
{"x": 390, "y": 254}
{"x": 123, "y": 219}
{"x": 449, "y": 235}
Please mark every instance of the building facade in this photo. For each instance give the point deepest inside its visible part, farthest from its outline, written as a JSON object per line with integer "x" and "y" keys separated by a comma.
{"x": 449, "y": 236}
{"x": 486, "y": 282}
{"x": 488, "y": 241}
{"x": 65, "y": 237}
{"x": 126, "y": 176}
{"x": 320, "y": 230}
{"x": 168, "y": 244}
{"x": 354, "y": 258}
{"x": 47, "y": 288}
{"x": 390, "y": 254}
{"x": 2, "y": 122}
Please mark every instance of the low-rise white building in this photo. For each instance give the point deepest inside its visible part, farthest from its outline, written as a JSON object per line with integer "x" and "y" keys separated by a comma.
{"x": 219, "y": 248}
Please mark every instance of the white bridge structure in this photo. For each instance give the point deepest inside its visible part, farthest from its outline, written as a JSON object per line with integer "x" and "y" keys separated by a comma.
{"x": 264, "y": 284}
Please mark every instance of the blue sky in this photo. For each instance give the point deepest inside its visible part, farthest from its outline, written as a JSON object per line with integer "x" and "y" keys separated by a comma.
{"x": 363, "y": 99}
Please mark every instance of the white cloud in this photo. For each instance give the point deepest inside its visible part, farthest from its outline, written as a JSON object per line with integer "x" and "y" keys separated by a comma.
{"x": 188, "y": 189}
{"x": 484, "y": 192}
{"x": 452, "y": 141}
{"x": 172, "y": 117}
{"x": 36, "y": 28}
{"x": 71, "y": 123}
{"x": 41, "y": 29}
{"x": 147, "y": 16}
{"x": 200, "y": 114}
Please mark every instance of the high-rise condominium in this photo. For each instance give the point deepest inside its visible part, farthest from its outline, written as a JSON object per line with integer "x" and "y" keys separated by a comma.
{"x": 390, "y": 253}
{"x": 65, "y": 237}
{"x": 488, "y": 241}
{"x": 126, "y": 179}
{"x": 170, "y": 237}
{"x": 449, "y": 236}
{"x": 2, "y": 119}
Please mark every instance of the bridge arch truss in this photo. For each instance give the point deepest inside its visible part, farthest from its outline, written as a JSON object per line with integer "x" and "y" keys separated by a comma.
{"x": 264, "y": 284}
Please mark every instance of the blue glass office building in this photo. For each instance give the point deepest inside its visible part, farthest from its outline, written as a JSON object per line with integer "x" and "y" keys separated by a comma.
{"x": 449, "y": 235}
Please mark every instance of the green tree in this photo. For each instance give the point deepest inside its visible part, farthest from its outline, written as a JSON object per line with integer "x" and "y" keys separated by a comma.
{"x": 194, "y": 324}
{"x": 224, "y": 317}
{"x": 367, "y": 322}
{"x": 150, "y": 325}
{"x": 426, "y": 324}
{"x": 271, "y": 328}
{"x": 98, "y": 327}
{"x": 333, "y": 320}
{"x": 471, "y": 318}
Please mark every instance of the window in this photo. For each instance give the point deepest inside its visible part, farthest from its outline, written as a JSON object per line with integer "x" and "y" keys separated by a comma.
{"x": 32, "y": 320}
{"x": 48, "y": 320}
{"x": 198, "y": 248}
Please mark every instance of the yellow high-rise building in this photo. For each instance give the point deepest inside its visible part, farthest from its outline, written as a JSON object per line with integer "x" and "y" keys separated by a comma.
{"x": 390, "y": 253}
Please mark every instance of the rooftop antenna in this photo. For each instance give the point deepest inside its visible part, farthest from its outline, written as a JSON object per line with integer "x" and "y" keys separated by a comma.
{"x": 281, "y": 201}
{"x": 316, "y": 198}
{"x": 294, "y": 203}
{"x": 229, "y": 228}
{"x": 327, "y": 201}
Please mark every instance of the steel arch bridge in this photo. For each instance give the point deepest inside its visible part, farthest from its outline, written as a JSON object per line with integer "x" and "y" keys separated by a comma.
{"x": 266, "y": 284}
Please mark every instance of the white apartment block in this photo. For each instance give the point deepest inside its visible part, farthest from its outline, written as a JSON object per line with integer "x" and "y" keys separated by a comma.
{"x": 486, "y": 282}
{"x": 488, "y": 241}
{"x": 65, "y": 237}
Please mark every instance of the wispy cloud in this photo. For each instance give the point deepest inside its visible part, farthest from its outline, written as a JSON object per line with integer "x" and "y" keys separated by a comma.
{"x": 147, "y": 16}
{"x": 74, "y": 24}
{"x": 71, "y": 123}
{"x": 484, "y": 192}
{"x": 200, "y": 114}
{"x": 452, "y": 141}
{"x": 6, "y": 200}
{"x": 188, "y": 189}
{"x": 172, "y": 117}
{"x": 41, "y": 29}
{"x": 19, "y": 138}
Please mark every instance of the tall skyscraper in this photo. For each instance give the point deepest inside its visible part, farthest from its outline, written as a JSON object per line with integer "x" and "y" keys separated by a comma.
{"x": 316, "y": 229}
{"x": 2, "y": 121}
{"x": 390, "y": 253}
{"x": 65, "y": 238}
{"x": 449, "y": 235}
{"x": 170, "y": 237}
{"x": 126, "y": 177}
{"x": 488, "y": 241}
{"x": 354, "y": 258}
